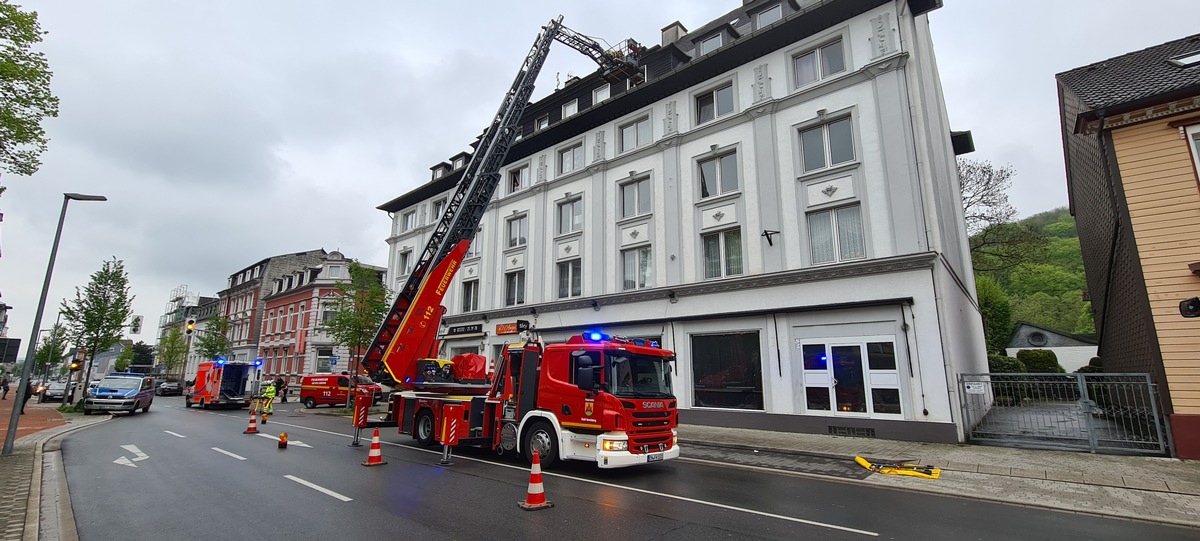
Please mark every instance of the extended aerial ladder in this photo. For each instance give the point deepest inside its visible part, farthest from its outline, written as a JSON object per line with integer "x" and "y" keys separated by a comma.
{"x": 409, "y": 332}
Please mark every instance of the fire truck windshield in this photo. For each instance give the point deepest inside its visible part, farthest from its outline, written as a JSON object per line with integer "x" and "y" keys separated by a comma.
{"x": 638, "y": 375}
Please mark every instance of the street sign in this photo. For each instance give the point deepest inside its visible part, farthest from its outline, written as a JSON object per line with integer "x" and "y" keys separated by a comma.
{"x": 974, "y": 387}
{"x": 333, "y": 359}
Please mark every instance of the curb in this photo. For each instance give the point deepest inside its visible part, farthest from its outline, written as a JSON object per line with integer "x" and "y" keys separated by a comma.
{"x": 33, "y": 505}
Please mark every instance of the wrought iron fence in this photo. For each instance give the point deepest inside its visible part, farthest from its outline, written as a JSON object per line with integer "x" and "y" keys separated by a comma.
{"x": 1103, "y": 413}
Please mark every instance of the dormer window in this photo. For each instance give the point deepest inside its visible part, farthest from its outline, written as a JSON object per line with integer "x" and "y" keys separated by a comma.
{"x": 437, "y": 173}
{"x": 768, "y": 16}
{"x": 600, "y": 94}
{"x": 570, "y": 108}
{"x": 542, "y": 123}
{"x": 458, "y": 162}
{"x": 709, "y": 45}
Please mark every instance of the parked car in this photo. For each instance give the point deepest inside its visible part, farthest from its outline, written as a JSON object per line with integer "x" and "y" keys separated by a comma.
{"x": 169, "y": 388}
{"x": 56, "y": 391}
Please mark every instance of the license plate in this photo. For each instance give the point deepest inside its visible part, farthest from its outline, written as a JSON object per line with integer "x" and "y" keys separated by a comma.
{"x": 654, "y": 457}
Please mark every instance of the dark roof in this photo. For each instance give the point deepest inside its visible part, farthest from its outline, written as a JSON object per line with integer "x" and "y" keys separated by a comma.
{"x": 1135, "y": 76}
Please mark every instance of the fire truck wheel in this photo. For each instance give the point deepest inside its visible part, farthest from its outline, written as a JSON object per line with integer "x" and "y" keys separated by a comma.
{"x": 187, "y": 402}
{"x": 423, "y": 432}
{"x": 309, "y": 402}
{"x": 541, "y": 437}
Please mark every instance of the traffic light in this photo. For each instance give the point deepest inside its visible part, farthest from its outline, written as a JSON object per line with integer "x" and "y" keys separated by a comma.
{"x": 135, "y": 326}
{"x": 191, "y": 326}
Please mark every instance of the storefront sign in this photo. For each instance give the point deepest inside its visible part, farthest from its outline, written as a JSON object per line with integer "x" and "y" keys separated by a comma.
{"x": 465, "y": 329}
{"x": 507, "y": 328}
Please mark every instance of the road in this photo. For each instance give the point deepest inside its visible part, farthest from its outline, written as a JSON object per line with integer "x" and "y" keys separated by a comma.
{"x": 176, "y": 473}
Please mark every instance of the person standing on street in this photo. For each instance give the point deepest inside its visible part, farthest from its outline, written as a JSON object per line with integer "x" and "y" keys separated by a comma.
{"x": 29, "y": 390}
{"x": 268, "y": 399}
{"x": 4, "y": 387}
{"x": 281, "y": 389}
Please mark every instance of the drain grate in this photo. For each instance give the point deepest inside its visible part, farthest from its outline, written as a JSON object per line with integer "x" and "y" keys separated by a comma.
{"x": 851, "y": 431}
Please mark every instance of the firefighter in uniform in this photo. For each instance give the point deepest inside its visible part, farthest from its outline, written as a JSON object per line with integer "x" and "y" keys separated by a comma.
{"x": 268, "y": 400}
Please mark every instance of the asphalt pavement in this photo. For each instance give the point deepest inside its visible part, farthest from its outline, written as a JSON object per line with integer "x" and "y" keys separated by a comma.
{"x": 1141, "y": 488}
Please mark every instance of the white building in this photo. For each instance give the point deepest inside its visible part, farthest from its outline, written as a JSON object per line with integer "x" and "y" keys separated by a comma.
{"x": 777, "y": 203}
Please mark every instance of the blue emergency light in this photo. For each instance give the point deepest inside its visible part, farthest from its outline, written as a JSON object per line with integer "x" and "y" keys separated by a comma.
{"x": 594, "y": 336}
{"x": 220, "y": 361}
{"x": 258, "y": 361}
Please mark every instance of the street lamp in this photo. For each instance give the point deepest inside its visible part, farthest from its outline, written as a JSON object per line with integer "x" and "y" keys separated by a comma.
{"x": 30, "y": 355}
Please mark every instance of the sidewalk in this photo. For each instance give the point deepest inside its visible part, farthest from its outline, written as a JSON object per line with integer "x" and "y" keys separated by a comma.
{"x": 21, "y": 472}
{"x": 1145, "y": 488}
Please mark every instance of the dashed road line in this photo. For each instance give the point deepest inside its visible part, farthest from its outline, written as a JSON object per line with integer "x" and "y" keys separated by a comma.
{"x": 319, "y": 488}
{"x": 177, "y": 435}
{"x": 222, "y": 451}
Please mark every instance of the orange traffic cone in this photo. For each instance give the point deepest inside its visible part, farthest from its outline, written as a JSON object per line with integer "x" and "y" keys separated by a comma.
{"x": 253, "y": 428}
{"x": 375, "y": 455}
{"x": 283, "y": 440}
{"x": 536, "y": 497}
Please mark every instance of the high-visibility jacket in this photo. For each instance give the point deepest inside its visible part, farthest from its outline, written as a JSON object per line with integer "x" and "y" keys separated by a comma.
{"x": 268, "y": 391}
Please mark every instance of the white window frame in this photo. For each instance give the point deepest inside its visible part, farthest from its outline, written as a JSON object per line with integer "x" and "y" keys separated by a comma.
{"x": 522, "y": 231}
{"x": 823, "y": 72}
{"x": 459, "y": 162}
{"x": 523, "y": 178}
{"x": 406, "y": 262}
{"x": 476, "y": 246}
{"x": 640, "y": 185}
{"x": 436, "y": 209}
{"x": 408, "y": 220}
{"x": 835, "y": 234}
{"x": 575, "y": 207}
{"x": 758, "y": 24}
{"x": 723, "y": 254}
{"x": 470, "y": 296}
{"x": 576, "y": 150}
{"x": 1193, "y": 138}
{"x": 571, "y": 271}
{"x": 720, "y": 180}
{"x": 825, "y": 144}
{"x": 640, "y": 280}
{"x": 637, "y": 125}
{"x": 712, "y": 93}
{"x": 872, "y": 378}
{"x": 605, "y": 89}
{"x": 570, "y": 108}
{"x": 706, "y": 44}
{"x": 437, "y": 173}
{"x": 542, "y": 122}
{"x": 514, "y": 279}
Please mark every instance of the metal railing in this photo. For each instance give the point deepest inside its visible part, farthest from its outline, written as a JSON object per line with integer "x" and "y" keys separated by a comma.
{"x": 1101, "y": 413}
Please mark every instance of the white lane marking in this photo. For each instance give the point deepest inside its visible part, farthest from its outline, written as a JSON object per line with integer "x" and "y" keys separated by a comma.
{"x": 125, "y": 462}
{"x": 631, "y": 489}
{"x": 220, "y": 450}
{"x": 138, "y": 454}
{"x": 177, "y": 435}
{"x": 290, "y": 442}
{"x": 319, "y": 488}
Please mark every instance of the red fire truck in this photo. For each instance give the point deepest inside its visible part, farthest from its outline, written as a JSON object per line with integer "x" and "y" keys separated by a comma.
{"x": 594, "y": 398}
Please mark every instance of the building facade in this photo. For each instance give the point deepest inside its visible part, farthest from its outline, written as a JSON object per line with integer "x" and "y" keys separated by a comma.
{"x": 242, "y": 301}
{"x": 1073, "y": 351}
{"x": 293, "y": 342}
{"x": 1131, "y": 138}
{"x": 773, "y": 197}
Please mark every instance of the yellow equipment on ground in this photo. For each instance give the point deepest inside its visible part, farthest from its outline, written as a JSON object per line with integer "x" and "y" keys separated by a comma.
{"x": 900, "y": 468}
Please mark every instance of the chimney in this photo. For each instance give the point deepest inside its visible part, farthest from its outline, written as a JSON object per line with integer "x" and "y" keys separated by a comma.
{"x": 672, "y": 32}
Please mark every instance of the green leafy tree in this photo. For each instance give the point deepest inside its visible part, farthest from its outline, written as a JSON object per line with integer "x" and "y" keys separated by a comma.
{"x": 1059, "y": 313}
{"x": 96, "y": 316}
{"x": 1085, "y": 324}
{"x": 997, "y": 313}
{"x": 52, "y": 349}
{"x": 25, "y": 97}
{"x": 1052, "y": 280}
{"x": 359, "y": 309}
{"x": 212, "y": 341}
{"x": 172, "y": 351}
{"x": 999, "y": 248}
{"x": 124, "y": 360}
{"x": 143, "y": 354}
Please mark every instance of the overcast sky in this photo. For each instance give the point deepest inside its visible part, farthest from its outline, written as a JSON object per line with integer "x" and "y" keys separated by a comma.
{"x": 224, "y": 132}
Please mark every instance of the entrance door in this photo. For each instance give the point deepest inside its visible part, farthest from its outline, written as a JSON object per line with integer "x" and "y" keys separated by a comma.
{"x": 849, "y": 386}
{"x": 849, "y": 376}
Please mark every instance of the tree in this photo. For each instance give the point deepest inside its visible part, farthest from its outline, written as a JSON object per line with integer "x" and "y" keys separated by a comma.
{"x": 123, "y": 360}
{"x": 212, "y": 342}
{"x": 143, "y": 354}
{"x": 359, "y": 309}
{"x": 997, "y": 314}
{"x": 52, "y": 349}
{"x": 985, "y": 194}
{"x": 1059, "y": 313}
{"x": 172, "y": 351}
{"x": 96, "y": 317}
{"x": 999, "y": 248}
{"x": 25, "y": 97}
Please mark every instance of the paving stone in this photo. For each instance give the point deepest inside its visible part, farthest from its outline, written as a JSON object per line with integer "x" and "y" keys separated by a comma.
{"x": 1026, "y": 472}
{"x": 993, "y": 470}
{"x": 1145, "y": 484}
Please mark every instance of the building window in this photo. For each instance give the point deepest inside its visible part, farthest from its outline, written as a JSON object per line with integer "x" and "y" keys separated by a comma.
{"x": 719, "y": 175}
{"x": 637, "y": 270}
{"x": 406, "y": 261}
{"x": 458, "y": 162}
{"x": 409, "y": 220}
{"x": 769, "y": 15}
{"x": 819, "y": 63}
{"x": 728, "y": 371}
{"x": 476, "y": 247}
{"x": 865, "y": 372}
{"x": 600, "y": 94}
{"x": 636, "y": 134}
{"x": 836, "y": 235}
{"x": 570, "y": 279}
{"x": 518, "y": 228}
{"x": 470, "y": 296}
{"x": 327, "y": 314}
{"x": 714, "y": 103}
{"x": 1193, "y": 133}
{"x": 827, "y": 145}
{"x": 722, "y": 253}
{"x": 709, "y": 45}
{"x": 570, "y": 216}
{"x": 636, "y": 197}
{"x": 541, "y": 123}
{"x": 570, "y": 158}
{"x": 514, "y": 288}
{"x": 436, "y": 210}
{"x": 518, "y": 179}
{"x": 570, "y": 108}
{"x": 437, "y": 173}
